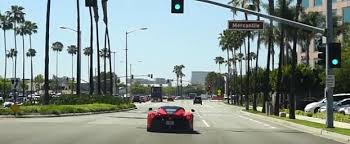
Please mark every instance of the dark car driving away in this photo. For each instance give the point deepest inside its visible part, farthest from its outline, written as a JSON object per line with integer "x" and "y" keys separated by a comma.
{"x": 197, "y": 100}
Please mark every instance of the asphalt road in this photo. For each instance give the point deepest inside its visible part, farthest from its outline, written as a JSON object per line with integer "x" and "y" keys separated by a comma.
{"x": 215, "y": 123}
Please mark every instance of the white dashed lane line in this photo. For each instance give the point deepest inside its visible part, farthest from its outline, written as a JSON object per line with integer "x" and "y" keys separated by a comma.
{"x": 205, "y": 122}
{"x": 266, "y": 125}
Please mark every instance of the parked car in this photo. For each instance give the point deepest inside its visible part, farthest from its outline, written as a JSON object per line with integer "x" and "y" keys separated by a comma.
{"x": 315, "y": 106}
{"x": 136, "y": 99}
{"x": 337, "y": 105}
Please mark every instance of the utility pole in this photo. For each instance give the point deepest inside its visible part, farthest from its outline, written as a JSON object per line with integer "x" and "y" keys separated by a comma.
{"x": 328, "y": 92}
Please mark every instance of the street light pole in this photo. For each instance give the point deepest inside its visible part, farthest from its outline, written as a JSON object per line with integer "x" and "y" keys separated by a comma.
{"x": 114, "y": 77}
{"x": 126, "y": 57}
{"x": 126, "y": 64}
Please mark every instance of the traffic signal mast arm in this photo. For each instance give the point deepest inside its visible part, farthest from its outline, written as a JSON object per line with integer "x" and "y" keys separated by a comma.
{"x": 278, "y": 19}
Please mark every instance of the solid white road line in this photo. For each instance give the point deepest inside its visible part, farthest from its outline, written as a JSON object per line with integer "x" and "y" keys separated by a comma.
{"x": 206, "y": 124}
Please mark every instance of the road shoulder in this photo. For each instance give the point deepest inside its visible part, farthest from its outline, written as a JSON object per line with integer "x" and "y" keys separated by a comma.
{"x": 314, "y": 131}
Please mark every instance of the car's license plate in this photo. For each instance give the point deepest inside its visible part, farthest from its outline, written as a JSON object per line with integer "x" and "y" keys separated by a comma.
{"x": 169, "y": 122}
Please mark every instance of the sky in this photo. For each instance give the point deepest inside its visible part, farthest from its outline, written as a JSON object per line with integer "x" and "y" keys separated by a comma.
{"x": 190, "y": 39}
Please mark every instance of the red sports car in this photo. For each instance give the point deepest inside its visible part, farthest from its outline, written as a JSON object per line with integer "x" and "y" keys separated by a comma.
{"x": 170, "y": 118}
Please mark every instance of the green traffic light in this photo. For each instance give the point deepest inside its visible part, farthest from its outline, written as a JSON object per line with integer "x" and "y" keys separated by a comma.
{"x": 177, "y": 6}
{"x": 335, "y": 62}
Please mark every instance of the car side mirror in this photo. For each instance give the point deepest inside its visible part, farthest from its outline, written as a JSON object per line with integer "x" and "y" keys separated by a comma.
{"x": 192, "y": 110}
{"x": 150, "y": 109}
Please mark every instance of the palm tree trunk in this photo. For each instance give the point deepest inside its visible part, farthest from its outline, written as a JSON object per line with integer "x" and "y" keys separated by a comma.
{"x": 267, "y": 71}
{"x": 23, "y": 64}
{"x": 110, "y": 64}
{"x": 279, "y": 74}
{"x": 15, "y": 74}
{"x": 5, "y": 47}
{"x": 56, "y": 71}
{"x": 98, "y": 59}
{"x": 177, "y": 86}
{"x": 31, "y": 79}
{"x": 104, "y": 65}
{"x": 294, "y": 63}
{"x": 72, "y": 74}
{"x": 78, "y": 51}
{"x": 31, "y": 70}
{"x": 92, "y": 51}
{"x": 241, "y": 87}
{"x": 228, "y": 76}
{"x": 256, "y": 64}
{"x": 47, "y": 49}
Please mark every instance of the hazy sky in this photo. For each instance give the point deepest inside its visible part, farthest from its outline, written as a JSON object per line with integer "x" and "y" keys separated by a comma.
{"x": 190, "y": 39}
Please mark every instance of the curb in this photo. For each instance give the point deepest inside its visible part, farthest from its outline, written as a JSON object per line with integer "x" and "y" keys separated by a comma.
{"x": 314, "y": 131}
{"x": 64, "y": 115}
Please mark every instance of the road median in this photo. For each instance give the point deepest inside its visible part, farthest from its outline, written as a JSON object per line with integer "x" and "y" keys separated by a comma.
{"x": 65, "y": 110}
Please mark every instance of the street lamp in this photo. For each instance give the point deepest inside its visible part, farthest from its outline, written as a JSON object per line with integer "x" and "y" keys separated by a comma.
{"x": 78, "y": 57}
{"x": 126, "y": 56}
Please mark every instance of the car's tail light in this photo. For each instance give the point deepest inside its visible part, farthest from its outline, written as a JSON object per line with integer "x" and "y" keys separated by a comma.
{"x": 188, "y": 117}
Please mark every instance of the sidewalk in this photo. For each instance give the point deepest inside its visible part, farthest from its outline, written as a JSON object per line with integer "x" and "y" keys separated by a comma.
{"x": 318, "y": 120}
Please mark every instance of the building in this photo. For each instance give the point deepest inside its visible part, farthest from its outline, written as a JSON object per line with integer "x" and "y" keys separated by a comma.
{"x": 160, "y": 80}
{"x": 341, "y": 8}
{"x": 198, "y": 77}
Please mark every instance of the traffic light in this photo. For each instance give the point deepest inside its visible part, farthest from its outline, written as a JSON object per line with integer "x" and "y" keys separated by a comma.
{"x": 321, "y": 48}
{"x": 90, "y": 3}
{"x": 334, "y": 55}
{"x": 151, "y": 76}
{"x": 177, "y": 6}
{"x": 132, "y": 76}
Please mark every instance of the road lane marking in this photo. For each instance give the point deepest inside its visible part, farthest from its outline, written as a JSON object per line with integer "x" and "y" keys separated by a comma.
{"x": 206, "y": 124}
{"x": 261, "y": 123}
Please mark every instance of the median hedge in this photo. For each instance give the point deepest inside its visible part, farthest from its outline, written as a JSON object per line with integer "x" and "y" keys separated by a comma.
{"x": 63, "y": 109}
{"x": 87, "y": 99}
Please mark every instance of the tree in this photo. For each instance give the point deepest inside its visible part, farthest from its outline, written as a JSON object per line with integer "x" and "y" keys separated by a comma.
{"x": 5, "y": 24}
{"x": 57, "y": 47}
{"x": 104, "y": 53}
{"x": 72, "y": 50}
{"x": 219, "y": 60}
{"x": 31, "y": 53}
{"x": 179, "y": 74}
{"x": 88, "y": 53}
{"x": 12, "y": 54}
{"x": 98, "y": 49}
{"x": 16, "y": 15}
{"x": 92, "y": 51}
{"x": 23, "y": 30}
{"x": 78, "y": 49}
{"x": 47, "y": 49}
{"x": 38, "y": 80}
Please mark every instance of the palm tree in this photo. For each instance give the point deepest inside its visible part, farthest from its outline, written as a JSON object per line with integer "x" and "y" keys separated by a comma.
{"x": 12, "y": 54}
{"x": 16, "y": 15}
{"x": 104, "y": 53}
{"x": 98, "y": 49}
{"x": 72, "y": 50}
{"x": 226, "y": 40}
{"x": 219, "y": 60}
{"x": 5, "y": 24}
{"x": 88, "y": 53}
{"x": 179, "y": 74}
{"x": 57, "y": 47}
{"x": 270, "y": 47}
{"x": 31, "y": 53}
{"x": 23, "y": 30}
{"x": 92, "y": 50}
{"x": 105, "y": 19}
{"x": 47, "y": 49}
{"x": 78, "y": 49}
{"x": 257, "y": 6}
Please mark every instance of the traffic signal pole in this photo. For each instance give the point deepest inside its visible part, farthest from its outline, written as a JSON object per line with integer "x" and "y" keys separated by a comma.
{"x": 328, "y": 92}
{"x": 329, "y": 34}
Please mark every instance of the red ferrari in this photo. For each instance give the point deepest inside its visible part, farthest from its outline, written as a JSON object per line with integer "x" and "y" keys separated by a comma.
{"x": 170, "y": 118}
